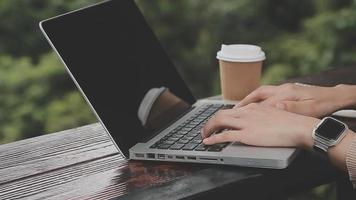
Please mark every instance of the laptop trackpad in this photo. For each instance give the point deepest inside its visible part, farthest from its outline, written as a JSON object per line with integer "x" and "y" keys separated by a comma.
{"x": 240, "y": 150}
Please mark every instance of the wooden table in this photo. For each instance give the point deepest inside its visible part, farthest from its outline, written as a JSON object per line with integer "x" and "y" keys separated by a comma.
{"x": 83, "y": 163}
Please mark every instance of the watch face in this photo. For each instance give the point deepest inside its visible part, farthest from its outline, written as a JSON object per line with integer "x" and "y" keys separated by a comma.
{"x": 330, "y": 129}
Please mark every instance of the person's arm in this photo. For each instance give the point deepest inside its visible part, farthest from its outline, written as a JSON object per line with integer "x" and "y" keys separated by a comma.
{"x": 347, "y": 95}
{"x": 351, "y": 161}
{"x": 260, "y": 125}
{"x": 303, "y": 99}
{"x": 343, "y": 155}
{"x": 336, "y": 154}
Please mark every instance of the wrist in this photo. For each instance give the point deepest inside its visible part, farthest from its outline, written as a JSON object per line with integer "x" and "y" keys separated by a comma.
{"x": 305, "y": 137}
{"x": 346, "y": 95}
{"x": 338, "y": 153}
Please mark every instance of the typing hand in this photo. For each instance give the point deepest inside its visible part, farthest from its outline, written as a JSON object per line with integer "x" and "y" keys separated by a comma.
{"x": 260, "y": 125}
{"x": 303, "y": 99}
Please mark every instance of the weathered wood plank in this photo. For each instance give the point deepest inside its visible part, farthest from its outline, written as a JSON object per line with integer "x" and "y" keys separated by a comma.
{"x": 79, "y": 163}
{"x": 334, "y": 76}
{"x": 104, "y": 178}
{"x": 49, "y": 152}
{"x": 74, "y": 181}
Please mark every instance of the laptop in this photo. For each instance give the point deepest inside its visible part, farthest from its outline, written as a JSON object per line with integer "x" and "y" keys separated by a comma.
{"x": 136, "y": 92}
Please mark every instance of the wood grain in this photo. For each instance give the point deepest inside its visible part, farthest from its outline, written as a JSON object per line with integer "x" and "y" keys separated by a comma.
{"x": 53, "y": 151}
{"x": 80, "y": 163}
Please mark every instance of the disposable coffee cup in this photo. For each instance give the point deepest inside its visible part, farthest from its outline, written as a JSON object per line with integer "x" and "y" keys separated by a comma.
{"x": 240, "y": 70}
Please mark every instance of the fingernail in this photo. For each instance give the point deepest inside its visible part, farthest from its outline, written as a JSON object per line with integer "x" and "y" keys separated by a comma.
{"x": 206, "y": 140}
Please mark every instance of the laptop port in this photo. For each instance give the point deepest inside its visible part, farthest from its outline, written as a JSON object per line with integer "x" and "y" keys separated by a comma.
{"x": 170, "y": 157}
{"x": 211, "y": 159}
{"x": 151, "y": 155}
{"x": 179, "y": 157}
{"x": 192, "y": 158}
{"x": 140, "y": 155}
{"x": 161, "y": 156}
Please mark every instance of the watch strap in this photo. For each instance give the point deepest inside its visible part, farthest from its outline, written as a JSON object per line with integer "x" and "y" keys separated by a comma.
{"x": 320, "y": 149}
{"x": 319, "y": 146}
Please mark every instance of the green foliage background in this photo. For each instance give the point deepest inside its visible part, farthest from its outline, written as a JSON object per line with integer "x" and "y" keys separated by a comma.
{"x": 300, "y": 37}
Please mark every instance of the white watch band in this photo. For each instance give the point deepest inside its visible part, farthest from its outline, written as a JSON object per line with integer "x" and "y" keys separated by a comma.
{"x": 321, "y": 145}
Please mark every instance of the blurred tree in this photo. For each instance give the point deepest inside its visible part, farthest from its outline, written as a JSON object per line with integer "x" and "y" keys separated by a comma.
{"x": 35, "y": 99}
{"x": 325, "y": 40}
{"x": 193, "y": 30}
{"x": 20, "y": 35}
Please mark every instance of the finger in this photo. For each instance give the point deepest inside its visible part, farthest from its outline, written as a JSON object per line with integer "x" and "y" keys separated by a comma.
{"x": 226, "y": 136}
{"x": 299, "y": 107}
{"x": 220, "y": 122}
{"x": 272, "y": 101}
{"x": 281, "y": 106}
{"x": 258, "y": 95}
{"x": 231, "y": 111}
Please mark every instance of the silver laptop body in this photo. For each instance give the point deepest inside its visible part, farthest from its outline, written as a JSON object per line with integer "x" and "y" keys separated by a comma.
{"x": 92, "y": 41}
{"x": 233, "y": 154}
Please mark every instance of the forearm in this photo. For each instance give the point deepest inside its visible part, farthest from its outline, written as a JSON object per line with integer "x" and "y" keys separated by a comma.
{"x": 337, "y": 154}
{"x": 346, "y": 96}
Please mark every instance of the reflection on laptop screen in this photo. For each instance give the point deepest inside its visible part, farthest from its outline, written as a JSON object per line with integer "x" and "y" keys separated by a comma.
{"x": 122, "y": 69}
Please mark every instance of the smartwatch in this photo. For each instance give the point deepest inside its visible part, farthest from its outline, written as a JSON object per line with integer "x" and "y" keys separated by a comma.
{"x": 329, "y": 132}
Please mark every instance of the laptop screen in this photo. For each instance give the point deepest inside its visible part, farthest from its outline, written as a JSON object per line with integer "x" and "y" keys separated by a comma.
{"x": 118, "y": 63}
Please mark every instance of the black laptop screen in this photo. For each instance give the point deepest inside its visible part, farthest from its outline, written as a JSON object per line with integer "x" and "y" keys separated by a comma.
{"x": 120, "y": 66}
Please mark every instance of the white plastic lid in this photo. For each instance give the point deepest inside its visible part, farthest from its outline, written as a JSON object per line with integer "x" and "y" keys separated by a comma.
{"x": 241, "y": 53}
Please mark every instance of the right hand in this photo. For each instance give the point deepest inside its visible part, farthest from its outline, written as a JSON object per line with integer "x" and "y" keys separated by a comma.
{"x": 260, "y": 125}
{"x": 311, "y": 101}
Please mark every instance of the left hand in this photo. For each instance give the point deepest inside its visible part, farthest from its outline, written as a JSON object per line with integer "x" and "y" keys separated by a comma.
{"x": 314, "y": 101}
{"x": 260, "y": 125}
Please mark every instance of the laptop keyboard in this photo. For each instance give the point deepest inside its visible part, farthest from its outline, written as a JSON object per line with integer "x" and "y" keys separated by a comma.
{"x": 187, "y": 135}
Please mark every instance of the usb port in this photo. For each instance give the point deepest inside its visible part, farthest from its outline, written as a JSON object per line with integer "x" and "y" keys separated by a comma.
{"x": 170, "y": 157}
{"x": 151, "y": 155}
{"x": 161, "y": 156}
{"x": 192, "y": 158}
{"x": 179, "y": 157}
{"x": 140, "y": 155}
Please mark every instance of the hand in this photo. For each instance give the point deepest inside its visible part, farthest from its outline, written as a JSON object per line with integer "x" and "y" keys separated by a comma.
{"x": 306, "y": 100}
{"x": 260, "y": 125}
